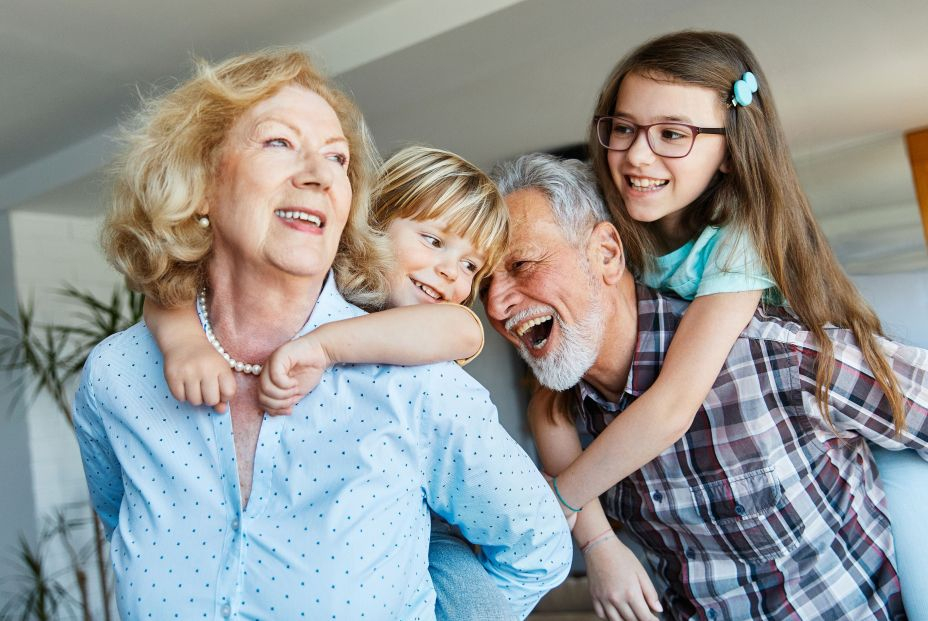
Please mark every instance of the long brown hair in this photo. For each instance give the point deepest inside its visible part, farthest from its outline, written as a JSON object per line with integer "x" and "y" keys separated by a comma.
{"x": 760, "y": 195}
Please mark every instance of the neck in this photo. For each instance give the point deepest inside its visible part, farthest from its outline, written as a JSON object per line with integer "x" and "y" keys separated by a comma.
{"x": 254, "y": 314}
{"x": 620, "y": 336}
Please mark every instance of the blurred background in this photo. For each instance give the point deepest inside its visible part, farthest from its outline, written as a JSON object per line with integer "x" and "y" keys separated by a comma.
{"x": 488, "y": 79}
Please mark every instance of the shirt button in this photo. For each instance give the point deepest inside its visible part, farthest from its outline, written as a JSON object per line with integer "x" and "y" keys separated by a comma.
{"x": 226, "y": 610}
{"x": 739, "y": 509}
{"x": 657, "y": 496}
{"x": 235, "y": 524}
{"x": 690, "y": 553}
{"x": 711, "y": 613}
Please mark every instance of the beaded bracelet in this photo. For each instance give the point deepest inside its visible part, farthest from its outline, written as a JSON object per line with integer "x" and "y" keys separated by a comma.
{"x": 559, "y": 497}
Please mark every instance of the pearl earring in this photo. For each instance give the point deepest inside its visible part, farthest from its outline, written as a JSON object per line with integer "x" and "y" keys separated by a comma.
{"x": 203, "y": 221}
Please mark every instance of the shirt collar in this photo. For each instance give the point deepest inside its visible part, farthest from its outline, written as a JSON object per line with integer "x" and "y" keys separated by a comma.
{"x": 330, "y": 306}
{"x": 657, "y": 323}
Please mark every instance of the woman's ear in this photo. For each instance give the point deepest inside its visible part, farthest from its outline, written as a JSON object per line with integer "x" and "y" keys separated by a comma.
{"x": 606, "y": 253}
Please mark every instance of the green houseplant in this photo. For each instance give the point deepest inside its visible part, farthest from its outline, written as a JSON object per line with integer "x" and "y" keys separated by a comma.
{"x": 48, "y": 358}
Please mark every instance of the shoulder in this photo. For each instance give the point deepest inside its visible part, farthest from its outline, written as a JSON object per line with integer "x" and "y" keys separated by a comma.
{"x": 129, "y": 352}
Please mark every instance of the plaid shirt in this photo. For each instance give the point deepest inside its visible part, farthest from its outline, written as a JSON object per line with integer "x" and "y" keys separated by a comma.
{"x": 761, "y": 511}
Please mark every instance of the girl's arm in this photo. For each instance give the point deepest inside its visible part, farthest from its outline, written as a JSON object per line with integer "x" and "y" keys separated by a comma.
{"x": 617, "y": 579}
{"x": 407, "y": 335}
{"x": 660, "y": 416}
{"x": 194, "y": 371}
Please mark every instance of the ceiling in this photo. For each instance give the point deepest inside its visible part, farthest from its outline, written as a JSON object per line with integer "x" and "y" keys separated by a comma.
{"x": 487, "y": 78}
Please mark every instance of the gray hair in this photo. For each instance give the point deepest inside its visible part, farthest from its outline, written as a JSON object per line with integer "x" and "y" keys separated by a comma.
{"x": 568, "y": 185}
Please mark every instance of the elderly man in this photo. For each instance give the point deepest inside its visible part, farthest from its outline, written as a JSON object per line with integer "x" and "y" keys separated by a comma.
{"x": 247, "y": 187}
{"x": 763, "y": 509}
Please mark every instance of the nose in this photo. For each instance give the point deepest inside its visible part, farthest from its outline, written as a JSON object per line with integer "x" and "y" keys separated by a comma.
{"x": 447, "y": 267}
{"x": 314, "y": 170}
{"x": 501, "y": 296}
{"x": 640, "y": 153}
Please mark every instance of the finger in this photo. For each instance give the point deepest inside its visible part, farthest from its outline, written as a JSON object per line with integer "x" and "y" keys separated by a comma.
{"x": 612, "y": 614}
{"x": 598, "y": 609}
{"x": 177, "y": 389}
{"x": 272, "y": 389}
{"x": 209, "y": 390}
{"x": 280, "y": 375}
{"x": 650, "y": 593}
{"x": 640, "y": 609}
{"x": 625, "y": 612}
{"x": 227, "y": 385}
{"x": 192, "y": 390}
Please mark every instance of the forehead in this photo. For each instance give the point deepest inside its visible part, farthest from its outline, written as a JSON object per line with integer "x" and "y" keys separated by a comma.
{"x": 298, "y": 107}
{"x": 653, "y": 99}
{"x": 531, "y": 222}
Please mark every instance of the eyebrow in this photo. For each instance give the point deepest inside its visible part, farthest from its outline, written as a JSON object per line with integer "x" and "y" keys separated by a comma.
{"x": 273, "y": 119}
{"x": 661, "y": 119}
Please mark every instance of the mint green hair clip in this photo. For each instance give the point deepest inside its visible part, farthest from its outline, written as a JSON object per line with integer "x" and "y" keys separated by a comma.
{"x": 744, "y": 90}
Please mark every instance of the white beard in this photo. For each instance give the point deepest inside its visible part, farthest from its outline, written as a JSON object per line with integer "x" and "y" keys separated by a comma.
{"x": 574, "y": 352}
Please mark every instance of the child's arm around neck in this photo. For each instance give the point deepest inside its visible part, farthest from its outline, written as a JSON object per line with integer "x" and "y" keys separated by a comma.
{"x": 407, "y": 335}
{"x": 660, "y": 416}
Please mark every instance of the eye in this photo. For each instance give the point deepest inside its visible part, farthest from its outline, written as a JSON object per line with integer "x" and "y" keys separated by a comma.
{"x": 277, "y": 142}
{"x": 674, "y": 133}
{"x": 431, "y": 240}
{"x": 341, "y": 158}
{"x": 622, "y": 128}
{"x": 471, "y": 267}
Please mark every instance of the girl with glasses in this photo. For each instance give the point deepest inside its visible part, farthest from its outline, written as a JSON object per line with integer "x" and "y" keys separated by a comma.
{"x": 690, "y": 154}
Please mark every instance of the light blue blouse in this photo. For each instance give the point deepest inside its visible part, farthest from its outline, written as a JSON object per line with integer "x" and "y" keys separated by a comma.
{"x": 719, "y": 260}
{"x": 337, "y": 525}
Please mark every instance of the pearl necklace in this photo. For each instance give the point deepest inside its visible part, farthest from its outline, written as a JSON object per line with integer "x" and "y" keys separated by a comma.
{"x": 237, "y": 365}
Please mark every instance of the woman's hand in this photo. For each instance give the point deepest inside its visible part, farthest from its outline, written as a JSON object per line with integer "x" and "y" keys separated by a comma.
{"x": 619, "y": 585}
{"x": 293, "y": 370}
{"x": 195, "y": 372}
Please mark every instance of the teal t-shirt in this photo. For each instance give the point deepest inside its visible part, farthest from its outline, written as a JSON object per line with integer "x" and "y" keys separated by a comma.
{"x": 719, "y": 260}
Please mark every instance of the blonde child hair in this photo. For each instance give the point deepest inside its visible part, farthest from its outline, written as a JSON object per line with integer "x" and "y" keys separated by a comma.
{"x": 424, "y": 183}
{"x": 760, "y": 195}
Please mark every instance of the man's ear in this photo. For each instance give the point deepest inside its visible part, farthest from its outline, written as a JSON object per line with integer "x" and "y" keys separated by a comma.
{"x": 606, "y": 253}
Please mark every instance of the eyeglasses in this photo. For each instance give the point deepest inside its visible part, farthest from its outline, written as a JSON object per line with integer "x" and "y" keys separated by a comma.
{"x": 665, "y": 139}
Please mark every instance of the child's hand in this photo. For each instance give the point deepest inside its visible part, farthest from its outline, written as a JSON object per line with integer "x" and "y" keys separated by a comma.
{"x": 198, "y": 374}
{"x": 619, "y": 585}
{"x": 290, "y": 373}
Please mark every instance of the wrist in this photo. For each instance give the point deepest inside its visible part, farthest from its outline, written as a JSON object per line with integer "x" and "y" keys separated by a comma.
{"x": 603, "y": 537}
{"x": 328, "y": 348}
{"x": 560, "y": 498}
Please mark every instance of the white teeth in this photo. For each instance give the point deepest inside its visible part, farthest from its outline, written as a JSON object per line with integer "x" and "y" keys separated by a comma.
{"x": 429, "y": 291}
{"x": 298, "y": 215}
{"x": 531, "y": 323}
{"x": 644, "y": 183}
{"x": 539, "y": 344}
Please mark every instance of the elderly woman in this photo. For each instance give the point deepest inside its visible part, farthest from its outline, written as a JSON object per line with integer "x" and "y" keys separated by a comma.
{"x": 247, "y": 187}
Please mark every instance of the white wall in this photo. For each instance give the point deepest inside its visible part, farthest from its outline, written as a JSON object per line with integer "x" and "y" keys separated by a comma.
{"x": 50, "y": 251}
{"x": 863, "y": 196}
{"x": 15, "y": 471}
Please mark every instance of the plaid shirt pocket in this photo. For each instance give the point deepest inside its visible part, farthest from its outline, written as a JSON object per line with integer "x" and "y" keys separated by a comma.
{"x": 750, "y": 516}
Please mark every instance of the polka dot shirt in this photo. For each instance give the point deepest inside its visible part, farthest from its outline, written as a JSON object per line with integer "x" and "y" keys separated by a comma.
{"x": 337, "y": 524}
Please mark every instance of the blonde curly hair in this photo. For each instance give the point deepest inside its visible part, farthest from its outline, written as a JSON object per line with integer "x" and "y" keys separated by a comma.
{"x": 170, "y": 157}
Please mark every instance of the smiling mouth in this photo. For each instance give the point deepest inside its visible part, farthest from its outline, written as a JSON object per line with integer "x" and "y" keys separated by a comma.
{"x": 299, "y": 216}
{"x": 534, "y": 333}
{"x": 645, "y": 184}
{"x": 427, "y": 290}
